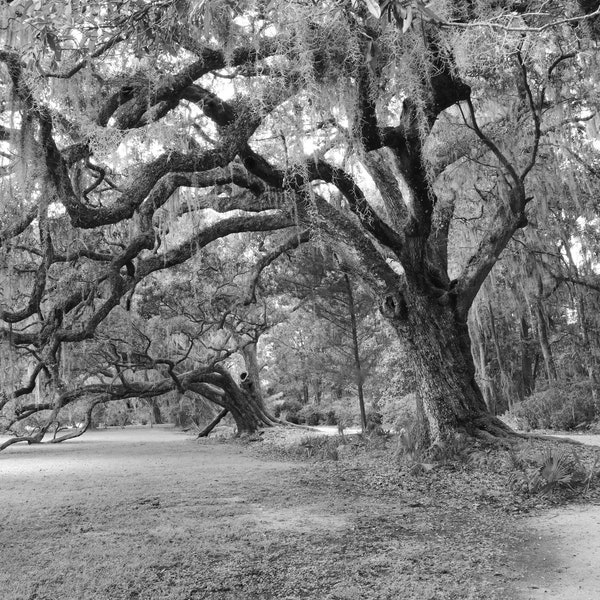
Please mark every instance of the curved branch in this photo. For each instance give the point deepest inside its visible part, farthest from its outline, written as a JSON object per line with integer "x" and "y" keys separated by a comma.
{"x": 105, "y": 47}
{"x": 370, "y": 263}
{"x": 173, "y": 88}
{"x": 15, "y": 229}
{"x": 359, "y": 205}
{"x": 467, "y": 285}
{"x": 224, "y": 227}
{"x": 535, "y": 115}
{"x": 292, "y": 242}
{"x": 520, "y": 29}
{"x": 39, "y": 285}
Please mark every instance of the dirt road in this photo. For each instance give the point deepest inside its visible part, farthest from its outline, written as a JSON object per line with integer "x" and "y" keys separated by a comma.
{"x": 562, "y": 554}
{"x": 155, "y": 515}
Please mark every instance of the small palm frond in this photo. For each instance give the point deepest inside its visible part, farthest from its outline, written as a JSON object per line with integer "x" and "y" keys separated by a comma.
{"x": 557, "y": 469}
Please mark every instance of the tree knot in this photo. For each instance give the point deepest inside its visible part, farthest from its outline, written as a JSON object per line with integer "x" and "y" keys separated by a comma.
{"x": 394, "y": 307}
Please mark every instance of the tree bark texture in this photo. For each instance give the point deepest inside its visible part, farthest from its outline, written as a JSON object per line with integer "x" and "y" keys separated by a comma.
{"x": 527, "y": 361}
{"x": 356, "y": 351}
{"x": 405, "y": 225}
{"x": 250, "y": 356}
{"x": 248, "y": 412}
{"x": 440, "y": 348}
{"x": 543, "y": 338}
{"x": 213, "y": 423}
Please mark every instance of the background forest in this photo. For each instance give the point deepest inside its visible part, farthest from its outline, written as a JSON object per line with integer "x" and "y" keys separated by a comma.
{"x": 272, "y": 207}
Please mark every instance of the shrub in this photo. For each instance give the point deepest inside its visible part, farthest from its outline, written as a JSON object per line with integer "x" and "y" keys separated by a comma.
{"x": 331, "y": 418}
{"x": 555, "y": 469}
{"x": 408, "y": 445}
{"x": 293, "y": 418}
{"x": 181, "y": 416}
{"x": 399, "y": 413}
{"x": 286, "y": 409}
{"x": 374, "y": 420}
{"x": 310, "y": 415}
{"x": 563, "y": 406}
{"x": 313, "y": 419}
{"x": 320, "y": 446}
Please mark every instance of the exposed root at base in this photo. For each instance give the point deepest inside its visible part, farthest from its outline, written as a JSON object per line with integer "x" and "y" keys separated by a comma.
{"x": 493, "y": 431}
{"x": 551, "y": 438}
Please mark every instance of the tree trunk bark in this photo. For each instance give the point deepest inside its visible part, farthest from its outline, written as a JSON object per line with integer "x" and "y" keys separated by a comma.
{"x": 481, "y": 368}
{"x": 213, "y": 423}
{"x": 542, "y": 327}
{"x": 356, "y": 350}
{"x": 156, "y": 416}
{"x": 305, "y": 393}
{"x": 245, "y": 405}
{"x": 448, "y": 396}
{"x": 527, "y": 362}
{"x": 250, "y": 356}
{"x": 247, "y": 411}
{"x": 318, "y": 390}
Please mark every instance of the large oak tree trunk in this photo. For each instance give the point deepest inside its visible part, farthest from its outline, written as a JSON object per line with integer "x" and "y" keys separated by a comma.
{"x": 246, "y": 407}
{"x": 249, "y": 414}
{"x": 252, "y": 375}
{"x": 449, "y": 398}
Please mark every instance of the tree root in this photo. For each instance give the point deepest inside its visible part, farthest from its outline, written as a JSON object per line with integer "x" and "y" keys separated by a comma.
{"x": 493, "y": 431}
{"x": 551, "y": 438}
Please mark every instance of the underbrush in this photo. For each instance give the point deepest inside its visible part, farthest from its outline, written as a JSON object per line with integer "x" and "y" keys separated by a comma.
{"x": 321, "y": 447}
{"x": 552, "y": 471}
{"x": 533, "y": 468}
{"x": 564, "y": 406}
{"x": 536, "y": 470}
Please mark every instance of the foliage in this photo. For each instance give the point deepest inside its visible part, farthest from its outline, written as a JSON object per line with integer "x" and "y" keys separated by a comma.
{"x": 554, "y": 470}
{"x": 287, "y": 407}
{"x": 157, "y": 157}
{"x": 320, "y": 447}
{"x": 331, "y": 418}
{"x": 313, "y": 347}
{"x": 374, "y": 420}
{"x": 563, "y": 406}
{"x": 399, "y": 413}
{"x": 311, "y": 415}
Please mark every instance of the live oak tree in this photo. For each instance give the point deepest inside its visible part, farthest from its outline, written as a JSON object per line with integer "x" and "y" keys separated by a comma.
{"x": 349, "y": 122}
{"x": 204, "y": 314}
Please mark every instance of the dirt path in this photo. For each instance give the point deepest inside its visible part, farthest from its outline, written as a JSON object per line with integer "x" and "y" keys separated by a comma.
{"x": 562, "y": 554}
{"x": 155, "y": 515}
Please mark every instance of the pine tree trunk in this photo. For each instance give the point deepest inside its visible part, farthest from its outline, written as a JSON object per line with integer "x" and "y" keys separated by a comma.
{"x": 543, "y": 338}
{"x": 305, "y": 393}
{"x": 356, "y": 351}
{"x": 449, "y": 399}
{"x": 527, "y": 362}
{"x": 318, "y": 390}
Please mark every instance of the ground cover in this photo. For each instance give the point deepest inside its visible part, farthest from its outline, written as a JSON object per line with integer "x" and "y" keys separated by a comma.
{"x": 155, "y": 514}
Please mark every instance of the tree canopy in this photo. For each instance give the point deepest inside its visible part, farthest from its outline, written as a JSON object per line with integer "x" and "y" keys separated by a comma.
{"x": 412, "y": 142}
